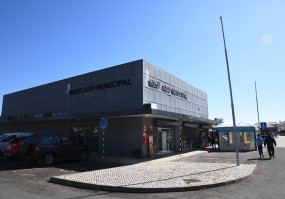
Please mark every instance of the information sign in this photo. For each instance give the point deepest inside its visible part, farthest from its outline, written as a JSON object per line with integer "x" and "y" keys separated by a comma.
{"x": 180, "y": 124}
{"x": 263, "y": 125}
{"x": 103, "y": 122}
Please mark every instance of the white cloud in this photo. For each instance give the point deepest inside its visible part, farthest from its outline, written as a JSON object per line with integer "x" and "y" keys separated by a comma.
{"x": 267, "y": 39}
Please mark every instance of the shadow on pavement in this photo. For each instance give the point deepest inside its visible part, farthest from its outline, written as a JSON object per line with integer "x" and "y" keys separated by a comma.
{"x": 75, "y": 166}
{"x": 263, "y": 159}
{"x": 85, "y": 166}
{"x": 15, "y": 164}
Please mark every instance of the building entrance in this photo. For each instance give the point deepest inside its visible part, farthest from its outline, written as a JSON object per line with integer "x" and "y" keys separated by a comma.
{"x": 86, "y": 136}
{"x": 165, "y": 140}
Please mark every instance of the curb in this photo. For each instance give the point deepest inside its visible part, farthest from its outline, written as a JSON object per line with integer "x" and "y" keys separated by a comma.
{"x": 144, "y": 190}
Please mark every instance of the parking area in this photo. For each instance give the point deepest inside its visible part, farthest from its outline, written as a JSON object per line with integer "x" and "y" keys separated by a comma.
{"x": 19, "y": 179}
{"x": 20, "y": 165}
{"x": 33, "y": 175}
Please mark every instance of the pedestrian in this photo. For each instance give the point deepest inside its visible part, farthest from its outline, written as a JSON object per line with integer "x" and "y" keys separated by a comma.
{"x": 216, "y": 142}
{"x": 270, "y": 141}
{"x": 259, "y": 142}
{"x": 213, "y": 143}
{"x": 210, "y": 140}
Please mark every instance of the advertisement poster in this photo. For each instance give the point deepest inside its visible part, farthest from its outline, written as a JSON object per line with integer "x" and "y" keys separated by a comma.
{"x": 147, "y": 131}
{"x": 151, "y": 149}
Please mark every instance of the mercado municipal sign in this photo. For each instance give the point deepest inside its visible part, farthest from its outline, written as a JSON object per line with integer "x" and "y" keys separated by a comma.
{"x": 102, "y": 86}
{"x": 166, "y": 89}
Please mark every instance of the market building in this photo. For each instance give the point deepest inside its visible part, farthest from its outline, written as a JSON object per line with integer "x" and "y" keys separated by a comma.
{"x": 142, "y": 103}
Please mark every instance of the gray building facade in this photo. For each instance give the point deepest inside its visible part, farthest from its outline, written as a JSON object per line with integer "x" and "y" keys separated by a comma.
{"x": 138, "y": 98}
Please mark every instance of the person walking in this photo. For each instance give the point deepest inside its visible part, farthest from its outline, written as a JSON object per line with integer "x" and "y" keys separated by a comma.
{"x": 259, "y": 142}
{"x": 213, "y": 143}
{"x": 270, "y": 141}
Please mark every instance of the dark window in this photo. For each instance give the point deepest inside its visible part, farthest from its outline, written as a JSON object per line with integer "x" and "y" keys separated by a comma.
{"x": 15, "y": 140}
{"x": 2, "y": 137}
{"x": 57, "y": 114}
{"x": 32, "y": 140}
{"x": 66, "y": 141}
{"x": 39, "y": 115}
{"x": 48, "y": 114}
{"x": 7, "y": 139}
{"x": 58, "y": 141}
{"x": 27, "y": 116}
{"x": 47, "y": 140}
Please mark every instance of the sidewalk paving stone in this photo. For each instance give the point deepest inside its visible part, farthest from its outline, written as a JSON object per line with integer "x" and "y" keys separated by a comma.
{"x": 164, "y": 174}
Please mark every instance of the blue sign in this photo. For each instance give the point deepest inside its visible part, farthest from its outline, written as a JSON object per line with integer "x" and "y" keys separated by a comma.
{"x": 263, "y": 125}
{"x": 103, "y": 122}
{"x": 180, "y": 124}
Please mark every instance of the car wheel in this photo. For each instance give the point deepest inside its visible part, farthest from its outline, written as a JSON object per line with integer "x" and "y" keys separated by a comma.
{"x": 48, "y": 159}
{"x": 83, "y": 156}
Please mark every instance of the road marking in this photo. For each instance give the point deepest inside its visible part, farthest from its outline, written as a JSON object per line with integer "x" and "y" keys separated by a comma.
{"x": 63, "y": 170}
{"x": 29, "y": 175}
{"x": 15, "y": 171}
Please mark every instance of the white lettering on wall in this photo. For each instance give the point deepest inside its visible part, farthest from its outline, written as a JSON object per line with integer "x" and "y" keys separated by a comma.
{"x": 167, "y": 89}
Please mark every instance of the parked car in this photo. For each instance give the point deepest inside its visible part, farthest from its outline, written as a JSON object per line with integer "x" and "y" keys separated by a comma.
{"x": 5, "y": 138}
{"x": 47, "y": 149}
{"x": 16, "y": 147}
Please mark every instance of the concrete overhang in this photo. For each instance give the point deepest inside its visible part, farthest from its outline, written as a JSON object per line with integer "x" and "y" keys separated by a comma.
{"x": 148, "y": 113}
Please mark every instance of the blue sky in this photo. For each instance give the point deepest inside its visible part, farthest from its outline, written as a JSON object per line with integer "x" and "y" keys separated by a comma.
{"x": 49, "y": 40}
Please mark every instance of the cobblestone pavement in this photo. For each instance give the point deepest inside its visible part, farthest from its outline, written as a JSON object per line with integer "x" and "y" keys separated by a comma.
{"x": 165, "y": 174}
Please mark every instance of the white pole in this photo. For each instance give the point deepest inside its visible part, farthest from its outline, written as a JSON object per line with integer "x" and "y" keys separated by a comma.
{"x": 232, "y": 103}
{"x": 257, "y": 108}
{"x": 103, "y": 151}
{"x": 180, "y": 143}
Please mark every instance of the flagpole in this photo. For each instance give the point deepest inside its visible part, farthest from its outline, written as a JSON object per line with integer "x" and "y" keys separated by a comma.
{"x": 232, "y": 103}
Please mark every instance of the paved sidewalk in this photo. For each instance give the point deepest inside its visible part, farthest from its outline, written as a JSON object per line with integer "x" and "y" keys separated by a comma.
{"x": 159, "y": 175}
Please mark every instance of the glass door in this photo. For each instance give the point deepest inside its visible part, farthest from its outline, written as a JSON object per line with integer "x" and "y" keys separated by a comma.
{"x": 166, "y": 139}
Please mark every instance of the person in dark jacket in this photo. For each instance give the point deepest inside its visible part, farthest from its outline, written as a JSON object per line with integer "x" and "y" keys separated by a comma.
{"x": 269, "y": 141}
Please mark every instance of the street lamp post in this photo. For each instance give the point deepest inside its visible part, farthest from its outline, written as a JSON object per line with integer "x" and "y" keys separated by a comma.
{"x": 232, "y": 103}
{"x": 257, "y": 108}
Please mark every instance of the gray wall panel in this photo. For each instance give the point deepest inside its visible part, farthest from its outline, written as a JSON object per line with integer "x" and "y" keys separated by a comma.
{"x": 178, "y": 104}
{"x": 53, "y": 97}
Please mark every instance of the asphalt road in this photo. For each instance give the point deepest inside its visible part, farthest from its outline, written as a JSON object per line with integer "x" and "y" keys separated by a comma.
{"x": 18, "y": 179}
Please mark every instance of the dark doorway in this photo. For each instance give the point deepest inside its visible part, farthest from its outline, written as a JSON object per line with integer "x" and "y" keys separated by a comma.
{"x": 87, "y": 136}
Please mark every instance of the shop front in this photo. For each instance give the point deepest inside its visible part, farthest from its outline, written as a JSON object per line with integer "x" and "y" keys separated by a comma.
{"x": 166, "y": 135}
{"x": 165, "y": 140}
